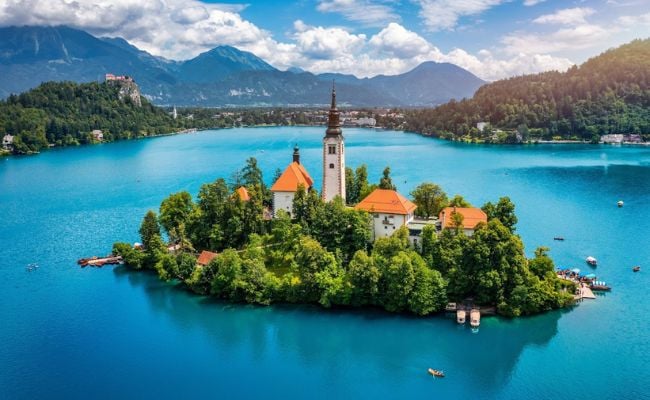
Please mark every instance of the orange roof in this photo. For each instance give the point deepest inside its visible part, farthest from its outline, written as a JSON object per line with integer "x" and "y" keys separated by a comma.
{"x": 386, "y": 201}
{"x": 243, "y": 193}
{"x": 205, "y": 257}
{"x": 291, "y": 178}
{"x": 471, "y": 216}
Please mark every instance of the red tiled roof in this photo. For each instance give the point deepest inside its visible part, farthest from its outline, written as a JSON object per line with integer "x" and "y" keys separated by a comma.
{"x": 205, "y": 257}
{"x": 471, "y": 216}
{"x": 291, "y": 178}
{"x": 243, "y": 193}
{"x": 386, "y": 201}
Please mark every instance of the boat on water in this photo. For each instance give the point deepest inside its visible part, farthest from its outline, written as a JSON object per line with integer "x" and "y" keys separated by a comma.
{"x": 636, "y": 268}
{"x": 475, "y": 318}
{"x": 599, "y": 286}
{"x": 591, "y": 261}
{"x": 620, "y": 203}
{"x": 560, "y": 238}
{"x": 436, "y": 373}
{"x": 460, "y": 316}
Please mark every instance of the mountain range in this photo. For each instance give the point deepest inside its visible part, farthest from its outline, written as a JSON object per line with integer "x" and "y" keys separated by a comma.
{"x": 223, "y": 76}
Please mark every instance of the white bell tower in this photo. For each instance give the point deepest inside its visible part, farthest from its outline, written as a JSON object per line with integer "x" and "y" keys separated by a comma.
{"x": 333, "y": 155}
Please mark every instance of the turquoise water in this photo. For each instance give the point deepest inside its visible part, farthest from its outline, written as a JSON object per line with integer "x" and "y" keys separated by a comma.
{"x": 108, "y": 333}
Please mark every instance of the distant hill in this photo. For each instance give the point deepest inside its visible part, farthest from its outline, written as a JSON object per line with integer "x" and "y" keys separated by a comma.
{"x": 65, "y": 113}
{"x": 223, "y": 76}
{"x": 608, "y": 94}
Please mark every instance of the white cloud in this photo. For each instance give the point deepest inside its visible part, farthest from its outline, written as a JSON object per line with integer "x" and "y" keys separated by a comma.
{"x": 567, "y": 16}
{"x": 171, "y": 28}
{"x": 573, "y": 38}
{"x": 444, "y": 14}
{"x": 363, "y": 11}
{"x": 181, "y": 29}
{"x": 529, "y": 3}
{"x": 629, "y": 21}
{"x": 399, "y": 42}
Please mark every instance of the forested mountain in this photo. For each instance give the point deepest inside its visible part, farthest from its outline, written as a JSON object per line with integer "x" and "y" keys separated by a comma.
{"x": 223, "y": 76}
{"x": 608, "y": 94}
{"x": 65, "y": 113}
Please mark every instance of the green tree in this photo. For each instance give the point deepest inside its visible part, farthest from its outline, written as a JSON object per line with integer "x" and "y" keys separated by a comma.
{"x": 175, "y": 212}
{"x": 364, "y": 277}
{"x": 429, "y": 198}
{"x": 459, "y": 201}
{"x": 149, "y": 228}
{"x": 386, "y": 182}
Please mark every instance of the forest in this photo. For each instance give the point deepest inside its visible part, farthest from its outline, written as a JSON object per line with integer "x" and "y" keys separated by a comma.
{"x": 322, "y": 253}
{"x": 608, "y": 94}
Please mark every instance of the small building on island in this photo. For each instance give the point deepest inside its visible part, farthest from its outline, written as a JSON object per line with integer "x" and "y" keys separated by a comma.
{"x": 8, "y": 141}
{"x": 242, "y": 192}
{"x": 205, "y": 257}
{"x": 285, "y": 188}
{"x": 470, "y": 218}
{"x": 97, "y": 135}
{"x": 389, "y": 210}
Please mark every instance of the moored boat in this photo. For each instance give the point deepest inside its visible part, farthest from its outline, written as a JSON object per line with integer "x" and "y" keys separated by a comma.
{"x": 475, "y": 318}
{"x": 591, "y": 261}
{"x": 560, "y": 238}
{"x": 599, "y": 286}
{"x": 620, "y": 203}
{"x": 460, "y": 316}
{"x": 636, "y": 268}
{"x": 436, "y": 373}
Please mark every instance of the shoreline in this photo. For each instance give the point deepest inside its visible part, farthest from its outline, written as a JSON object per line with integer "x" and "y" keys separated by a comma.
{"x": 5, "y": 153}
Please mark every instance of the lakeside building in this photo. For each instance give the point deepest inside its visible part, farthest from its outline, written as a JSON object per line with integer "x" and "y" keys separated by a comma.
{"x": 285, "y": 188}
{"x": 98, "y": 135}
{"x": 471, "y": 217}
{"x": 8, "y": 141}
{"x": 389, "y": 210}
{"x": 333, "y": 155}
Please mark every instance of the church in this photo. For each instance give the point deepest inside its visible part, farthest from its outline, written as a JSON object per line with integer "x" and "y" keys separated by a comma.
{"x": 285, "y": 188}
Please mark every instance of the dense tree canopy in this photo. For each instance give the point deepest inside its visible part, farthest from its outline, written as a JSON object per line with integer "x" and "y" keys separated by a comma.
{"x": 324, "y": 254}
{"x": 607, "y": 94}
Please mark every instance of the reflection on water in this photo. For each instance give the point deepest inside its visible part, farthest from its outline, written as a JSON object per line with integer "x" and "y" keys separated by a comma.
{"x": 397, "y": 345}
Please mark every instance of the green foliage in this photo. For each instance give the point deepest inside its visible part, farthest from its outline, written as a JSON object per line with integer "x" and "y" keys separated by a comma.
{"x": 386, "y": 182}
{"x": 458, "y": 201}
{"x": 356, "y": 184}
{"x": 430, "y": 199}
{"x": 64, "y": 113}
{"x": 149, "y": 228}
{"x": 321, "y": 256}
{"x": 504, "y": 211}
{"x": 607, "y": 94}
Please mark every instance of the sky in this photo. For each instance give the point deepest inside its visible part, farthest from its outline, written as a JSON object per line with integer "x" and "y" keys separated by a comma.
{"x": 493, "y": 39}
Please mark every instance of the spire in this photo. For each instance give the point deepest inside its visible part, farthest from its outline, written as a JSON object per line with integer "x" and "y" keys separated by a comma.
{"x": 333, "y": 122}
{"x": 296, "y": 154}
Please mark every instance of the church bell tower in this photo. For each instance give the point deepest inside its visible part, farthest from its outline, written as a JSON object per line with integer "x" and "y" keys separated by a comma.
{"x": 333, "y": 155}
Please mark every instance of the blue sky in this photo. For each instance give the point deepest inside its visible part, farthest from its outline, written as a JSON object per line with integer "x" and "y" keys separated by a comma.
{"x": 491, "y": 38}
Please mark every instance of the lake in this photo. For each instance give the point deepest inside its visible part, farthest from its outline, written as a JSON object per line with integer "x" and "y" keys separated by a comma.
{"x": 110, "y": 333}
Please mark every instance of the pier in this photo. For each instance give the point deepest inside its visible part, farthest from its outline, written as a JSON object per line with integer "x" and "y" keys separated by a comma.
{"x": 100, "y": 261}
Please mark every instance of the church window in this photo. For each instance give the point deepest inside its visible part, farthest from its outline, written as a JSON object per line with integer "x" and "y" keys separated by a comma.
{"x": 331, "y": 166}
{"x": 331, "y": 149}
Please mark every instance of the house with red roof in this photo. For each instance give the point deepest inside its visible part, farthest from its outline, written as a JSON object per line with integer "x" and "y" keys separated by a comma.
{"x": 389, "y": 210}
{"x": 472, "y": 216}
{"x": 242, "y": 192}
{"x": 285, "y": 188}
{"x": 205, "y": 257}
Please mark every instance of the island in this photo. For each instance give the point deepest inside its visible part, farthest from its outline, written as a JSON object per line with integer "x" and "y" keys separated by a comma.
{"x": 353, "y": 244}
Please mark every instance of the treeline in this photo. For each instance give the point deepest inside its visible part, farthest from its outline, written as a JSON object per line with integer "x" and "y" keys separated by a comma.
{"x": 608, "y": 94}
{"x": 65, "y": 113}
{"x": 323, "y": 254}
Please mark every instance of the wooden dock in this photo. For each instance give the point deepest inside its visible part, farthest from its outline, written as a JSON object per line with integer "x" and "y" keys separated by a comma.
{"x": 584, "y": 293}
{"x": 100, "y": 261}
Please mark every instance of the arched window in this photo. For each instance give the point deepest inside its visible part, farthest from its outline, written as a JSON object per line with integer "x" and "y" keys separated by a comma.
{"x": 331, "y": 166}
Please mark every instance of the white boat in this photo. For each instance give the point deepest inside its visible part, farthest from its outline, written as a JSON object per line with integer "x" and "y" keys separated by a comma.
{"x": 591, "y": 261}
{"x": 620, "y": 203}
{"x": 460, "y": 316}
